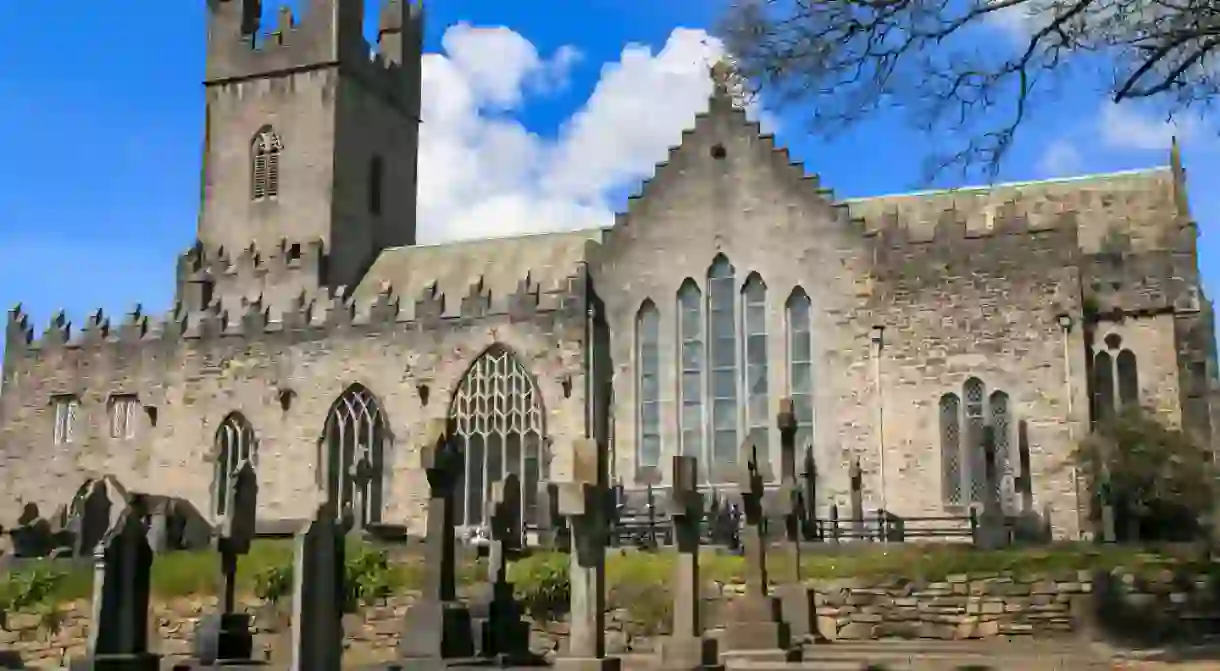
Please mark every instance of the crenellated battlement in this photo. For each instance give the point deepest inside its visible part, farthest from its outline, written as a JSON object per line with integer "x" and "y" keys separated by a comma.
{"x": 320, "y": 315}
{"x": 952, "y": 227}
{"x": 329, "y": 33}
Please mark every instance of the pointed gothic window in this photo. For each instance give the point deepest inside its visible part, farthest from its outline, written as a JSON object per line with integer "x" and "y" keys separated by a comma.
{"x": 997, "y": 406}
{"x": 648, "y": 384}
{"x": 690, "y": 391}
{"x": 234, "y": 444}
{"x": 951, "y": 449}
{"x": 353, "y": 442}
{"x": 722, "y": 364}
{"x": 754, "y": 359}
{"x": 973, "y": 392}
{"x": 1103, "y": 387}
{"x": 800, "y": 364}
{"x": 498, "y": 414}
{"x": 66, "y": 408}
{"x": 265, "y": 164}
{"x": 1128, "y": 379}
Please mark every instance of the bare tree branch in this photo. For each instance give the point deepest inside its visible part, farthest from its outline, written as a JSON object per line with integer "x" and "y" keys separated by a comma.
{"x": 946, "y": 64}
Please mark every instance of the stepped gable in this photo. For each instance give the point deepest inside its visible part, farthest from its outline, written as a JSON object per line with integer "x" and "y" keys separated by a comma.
{"x": 475, "y": 277}
{"x": 1145, "y": 200}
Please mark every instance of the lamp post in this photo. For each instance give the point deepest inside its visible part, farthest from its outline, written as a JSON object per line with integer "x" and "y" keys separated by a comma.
{"x": 877, "y": 338}
{"x": 1065, "y": 327}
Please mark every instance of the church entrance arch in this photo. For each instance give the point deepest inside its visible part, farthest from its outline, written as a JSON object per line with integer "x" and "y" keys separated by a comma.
{"x": 498, "y": 417}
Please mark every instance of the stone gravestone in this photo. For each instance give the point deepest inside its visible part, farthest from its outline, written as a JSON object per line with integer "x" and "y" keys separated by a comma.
{"x": 796, "y": 598}
{"x": 437, "y": 629}
{"x": 687, "y": 649}
{"x": 94, "y": 520}
{"x": 759, "y": 631}
{"x": 319, "y": 593}
{"x": 225, "y": 637}
{"x": 993, "y": 533}
{"x": 504, "y": 637}
{"x": 122, "y": 571}
{"x": 583, "y": 501}
{"x": 809, "y": 476}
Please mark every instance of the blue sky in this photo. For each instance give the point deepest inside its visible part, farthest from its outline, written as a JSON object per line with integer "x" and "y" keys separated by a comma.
{"x": 100, "y": 133}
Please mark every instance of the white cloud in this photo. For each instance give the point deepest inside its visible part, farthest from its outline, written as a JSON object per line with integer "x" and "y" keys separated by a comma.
{"x": 1122, "y": 127}
{"x": 1060, "y": 158}
{"x": 484, "y": 174}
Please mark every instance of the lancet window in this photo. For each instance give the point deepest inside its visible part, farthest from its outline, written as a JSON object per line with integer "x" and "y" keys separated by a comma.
{"x": 353, "y": 443}
{"x": 234, "y": 444}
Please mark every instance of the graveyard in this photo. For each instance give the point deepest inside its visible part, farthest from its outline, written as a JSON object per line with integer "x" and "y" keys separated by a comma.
{"x": 689, "y": 593}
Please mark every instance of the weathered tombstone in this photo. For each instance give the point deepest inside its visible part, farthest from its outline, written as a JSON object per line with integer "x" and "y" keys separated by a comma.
{"x": 809, "y": 477}
{"x": 319, "y": 593}
{"x": 94, "y": 519}
{"x": 225, "y": 637}
{"x": 32, "y": 535}
{"x": 759, "y": 629}
{"x": 796, "y": 598}
{"x": 122, "y": 571}
{"x": 552, "y": 532}
{"x": 437, "y": 629}
{"x": 857, "y": 499}
{"x": 993, "y": 532}
{"x": 504, "y": 637}
{"x": 687, "y": 648}
{"x": 582, "y": 500}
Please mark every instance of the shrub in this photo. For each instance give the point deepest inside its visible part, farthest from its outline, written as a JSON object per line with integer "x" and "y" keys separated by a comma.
{"x": 541, "y": 583}
{"x": 33, "y": 590}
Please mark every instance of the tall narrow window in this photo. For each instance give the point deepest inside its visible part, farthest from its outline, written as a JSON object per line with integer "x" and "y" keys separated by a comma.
{"x": 376, "y": 176}
{"x": 66, "y": 408}
{"x": 722, "y": 359}
{"x": 265, "y": 164}
{"x": 123, "y": 411}
{"x": 498, "y": 413}
{"x": 951, "y": 449}
{"x": 754, "y": 359}
{"x": 690, "y": 332}
{"x": 1128, "y": 379}
{"x": 234, "y": 444}
{"x": 974, "y": 394}
{"x": 800, "y": 365}
{"x": 1103, "y": 387}
{"x": 1001, "y": 430}
{"x": 353, "y": 444}
{"x": 648, "y": 385}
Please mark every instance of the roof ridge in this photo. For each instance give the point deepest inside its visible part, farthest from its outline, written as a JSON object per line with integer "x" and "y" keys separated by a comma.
{"x": 993, "y": 187}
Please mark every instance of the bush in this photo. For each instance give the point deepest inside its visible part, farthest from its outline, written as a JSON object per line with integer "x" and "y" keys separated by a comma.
{"x": 540, "y": 581}
{"x": 33, "y": 590}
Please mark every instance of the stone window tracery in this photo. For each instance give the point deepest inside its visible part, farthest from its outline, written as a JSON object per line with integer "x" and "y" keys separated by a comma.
{"x": 498, "y": 414}
{"x": 690, "y": 390}
{"x": 123, "y": 411}
{"x": 973, "y": 392}
{"x": 997, "y": 406}
{"x": 754, "y": 359}
{"x": 951, "y": 449}
{"x": 963, "y": 456}
{"x": 353, "y": 442}
{"x": 800, "y": 364}
{"x": 648, "y": 384}
{"x": 234, "y": 443}
{"x": 722, "y": 365}
{"x": 265, "y": 164}
{"x": 66, "y": 407}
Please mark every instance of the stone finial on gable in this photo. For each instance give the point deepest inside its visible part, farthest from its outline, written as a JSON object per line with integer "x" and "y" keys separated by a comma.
{"x": 97, "y": 328}
{"x": 384, "y": 309}
{"x": 523, "y": 303}
{"x": 340, "y": 311}
{"x": 18, "y": 332}
{"x": 477, "y": 301}
{"x": 430, "y": 306}
{"x": 134, "y": 325}
{"x": 58, "y": 330}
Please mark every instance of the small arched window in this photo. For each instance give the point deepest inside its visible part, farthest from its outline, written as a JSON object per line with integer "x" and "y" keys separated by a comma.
{"x": 754, "y": 360}
{"x": 690, "y": 334}
{"x": 648, "y": 383}
{"x": 951, "y": 449}
{"x": 235, "y": 443}
{"x": 1001, "y": 430}
{"x": 1128, "y": 379}
{"x": 973, "y": 391}
{"x": 265, "y": 164}
{"x": 800, "y": 364}
{"x": 1103, "y": 386}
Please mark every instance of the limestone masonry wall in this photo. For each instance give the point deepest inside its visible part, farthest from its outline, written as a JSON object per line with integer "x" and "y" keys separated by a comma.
{"x": 959, "y": 607}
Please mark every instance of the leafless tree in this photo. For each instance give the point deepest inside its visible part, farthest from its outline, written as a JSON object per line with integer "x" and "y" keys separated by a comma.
{"x": 977, "y": 69}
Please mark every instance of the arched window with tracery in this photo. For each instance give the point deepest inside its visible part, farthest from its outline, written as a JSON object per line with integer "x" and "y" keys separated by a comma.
{"x": 974, "y": 394}
{"x": 690, "y": 389}
{"x": 800, "y": 364}
{"x": 951, "y": 449}
{"x": 754, "y": 360}
{"x": 1001, "y": 425}
{"x": 265, "y": 164}
{"x": 1128, "y": 379}
{"x": 722, "y": 364}
{"x": 499, "y": 427}
{"x": 648, "y": 383}
{"x": 353, "y": 442}
{"x": 234, "y": 444}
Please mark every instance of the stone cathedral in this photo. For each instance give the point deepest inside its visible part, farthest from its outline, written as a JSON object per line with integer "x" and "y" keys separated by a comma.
{"x": 312, "y": 335}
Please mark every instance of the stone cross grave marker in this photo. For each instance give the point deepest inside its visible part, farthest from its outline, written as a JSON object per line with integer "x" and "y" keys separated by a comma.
{"x": 504, "y": 635}
{"x": 857, "y": 499}
{"x": 759, "y": 629}
{"x": 687, "y": 648}
{"x": 122, "y": 571}
{"x": 225, "y": 637}
{"x": 437, "y": 627}
{"x": 797, "y": 599}
{"x": 583, "y": 501}
{"x": 319, "y": 593}
{"x": 809, "y": 478}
